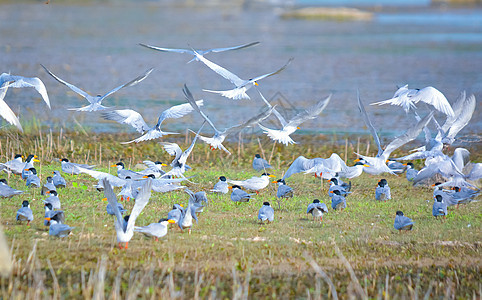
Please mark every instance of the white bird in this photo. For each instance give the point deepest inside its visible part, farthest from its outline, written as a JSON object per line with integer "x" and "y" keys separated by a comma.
{"x": 73, "y": 168}
{"x": 241, "y": 85}
{"x": 178, "y": 164}
{"x": 201, "y": 52}
{"x": 15, "y": 166}
{"x": 155, "y": 230}
{"x": 283, "y": 135}
{"x": 221, "y": 186}
{"x": 313, "y": 165}
{"x": 327, "y": 168}
{"x": 254, "y": 183}
{"x": 407, "y": 98}
{"x": 134, "y": 119}
{"x": 378, "y": 163}
{"x": 124, "y": 226}
{"x": 317, "y": 209}
{"x": 216, "y": 141}
{"x": 6, "y": 112}
{"x": 96, "y": 101}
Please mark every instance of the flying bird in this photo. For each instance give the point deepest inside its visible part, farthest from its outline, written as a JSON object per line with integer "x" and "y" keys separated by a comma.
{"x": 96, "y": 101}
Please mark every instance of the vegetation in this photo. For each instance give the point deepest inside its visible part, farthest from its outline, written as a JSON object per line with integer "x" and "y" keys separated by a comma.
{"x": 229, "y": 255}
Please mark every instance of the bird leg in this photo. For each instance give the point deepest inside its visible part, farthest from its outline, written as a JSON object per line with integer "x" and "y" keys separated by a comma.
{"x": 257, "y": 192}
{"x": 189, "y": 231}
{"x": 122, "y": 198}
{"x": 28, "y": 223}
{"x": 321, "y": 218}
{"x": 127, "y": 244}
{"x": 120, "y": 246}
{"x": 157, "y": 239}
{"x": 128, "y": 199}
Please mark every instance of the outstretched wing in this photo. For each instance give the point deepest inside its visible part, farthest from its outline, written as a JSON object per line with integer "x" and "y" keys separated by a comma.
{"x": 113, "y": 180}
{"x": 220, "y": 70}
{"x": 434, "y": 97}
{"x": 141, "y": 201}
{"x": 231, "y": 48}
{"x": 112, "y": 199}
{"x": 251, "y": 122}
{"x": 272, "y": 73}
{"x": 188, "y": 151}
{"x": 130, "y": 83}
{"x": 167, "y": 49}
{"x": 463, "y": 118}
{"x": 35, "y": 82}
{"x": 127, "y": 116}
{"x": 369, "y": 124}
{"x": 70, "y": 86}
{"x": 190, "y": 99}
{"x": 177, "y": 111}
{"x": 5, "y": 110}
{"x": 310, "y": 113}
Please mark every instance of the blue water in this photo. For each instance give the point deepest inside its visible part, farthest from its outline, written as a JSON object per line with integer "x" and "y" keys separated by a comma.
{"x": 95, "y": 46}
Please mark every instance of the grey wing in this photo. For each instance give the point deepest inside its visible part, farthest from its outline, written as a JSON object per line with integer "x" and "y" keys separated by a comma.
{"x": 251, "y": 122}
{"x": 310, "y": 113}
{"x": 463, "y": 118}
{"x": 5, "y": 110}
{"x": 310, "y": 208}
{"x": 369, "y": 124}
{"x": 299, "y": 165}
{"x": 434, "y": 97}
{"x": 231, "y": 48}
{"x": 112, "y": 199}
{"x": 35, "y": 82}
{"x": 476, "y": 172}
{"x": 272, "y": 73}
{"x": 168, "y": 49}
{"x": 113, "y": 180}
{"x": 281, "y": 119}
{"x": 177, "y": 111}
{"x": 130, "y": 83}
{"x": 70, "y": 86}
{"x": 190, "y": 99}
{"x": 141, "y": 201}
{"x": 220, "y": 70}
{"x": 457, "y": 108}
{"x": 408, "y": 136}
{"x": 186, "y": 152}
{"x": 173, "y": 149}
{"x": 127, "y": 116}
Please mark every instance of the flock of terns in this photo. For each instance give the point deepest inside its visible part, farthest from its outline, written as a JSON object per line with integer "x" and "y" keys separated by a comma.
{"x": 457, "y": 177}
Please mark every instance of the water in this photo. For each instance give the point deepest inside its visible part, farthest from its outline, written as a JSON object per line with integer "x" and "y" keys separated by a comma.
{"x": 95, "y": 46}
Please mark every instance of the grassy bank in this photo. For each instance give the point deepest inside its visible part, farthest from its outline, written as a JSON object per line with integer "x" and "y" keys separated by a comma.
{"x": 229, "y": 255}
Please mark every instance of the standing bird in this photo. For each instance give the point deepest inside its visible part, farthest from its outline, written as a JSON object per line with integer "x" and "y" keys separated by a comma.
{"x": 284, "y": 191}
{"x": 411, "y": 172}
{"x": 57, "y": 227}
{"x": 14, "y": 166}
{"x": 241, "y": 85}
{"x": 73, "y": 168}
{"x": 53, "y": 199}
{"x": 382, "y": 192}
{"x": 25, "y": 213}
{"x": 48, "y": 186}
{"x": 124, "y": 226}
{"x": 238, "y": 195}
{"x": 343, "y": 187}
{"x": 155, "y": 230}
{"x": 7, "y": 191}
{"x": 439, "y": 208}
{"x": 317, "y": 209}
{"x": 185, "y": 222}
{"x": 254, "y": 183}
{"x": 338, "y": 202}
{"x": 32, "y": 179}
{"x": 402, "y": 222}
{"x": 266, "y": 213}
{"x": 59, "y": 181}
{"x": 260, "y": 164}
{"x": 95, "y": 103}
{"x": 201, "y": 52}
{"x": 134, "y": 119}
{"x": 221, "y": 186}
{"x": 123, "y": 173}
{"x": 28, "y": 164}
{"x": 50, "y": 213}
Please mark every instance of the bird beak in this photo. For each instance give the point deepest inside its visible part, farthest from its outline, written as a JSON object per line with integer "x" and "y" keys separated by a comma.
{"x": 25, "y": 169}
{"x": 145, "y": 176}
{"x": 255, "y": 83}
{"x": 35, "y": 156}
{"x": 114, "y": 166}
{"x": 298, "y": 128}
{"x": 104, "y": 199}
{"x": 60, "y": 160}
{"x": 272, "y": 176}
{"x": 53, "y": 172}
{"x": 164, "y": 165}
{"x": 171, "y": 221}
{"x": 433, "y": 184}
{"x": 181, "y": 205}
{"x": 36, "y": 160}
{"x": 357, "y": 160}
{"x": 47, "y": 192}
{"x": 230, "y": 187}
{"x": 365, "y": 165}
{"x": 387, "y": 160}
{"x": 274, "y": 181}
{"x": 47, "y": 219}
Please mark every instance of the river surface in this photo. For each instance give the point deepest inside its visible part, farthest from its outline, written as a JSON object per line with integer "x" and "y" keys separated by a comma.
{"x": 95, "y": 46}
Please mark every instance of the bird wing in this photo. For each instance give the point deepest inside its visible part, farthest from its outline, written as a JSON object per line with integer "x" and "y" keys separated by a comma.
{"x": 281, "y": 119}
{"x": 434, "y": 97}
{"x": 172, "y": 148}
{"x": 269, "y": 74}
{"x": 127, "y": 116}
{"x": 112, "y": 199}
{"x": 190, "y": 99}
{"x": 408, "y": 136}
{"x": 251, "y": 122}
{"x": 369, "y": 124}
{"x": 168, "y": 49}
{"x": 149, "y": 164}
{"x": 5, "y": 110}
{"x": 186, "y": 152}
{"x": 463, "y": 118}
{"x": 231, "y": 48}
{"x": 299, "y": 164}
{"x": 71, "y": 86}
{"x": 220, "y": 70}
{"x": 457, "y": 107}
{"x": 177, "y": 111}
{"x": 113, "y": 180}
{"x": 130, "y": 83}
{"x": 310, "y": 113}
{"x": 141, "y": 201}
{"x": 35, "y": 82}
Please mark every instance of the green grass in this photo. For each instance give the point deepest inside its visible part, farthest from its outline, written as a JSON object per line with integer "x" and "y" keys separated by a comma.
{"x": 229, "y": 255}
